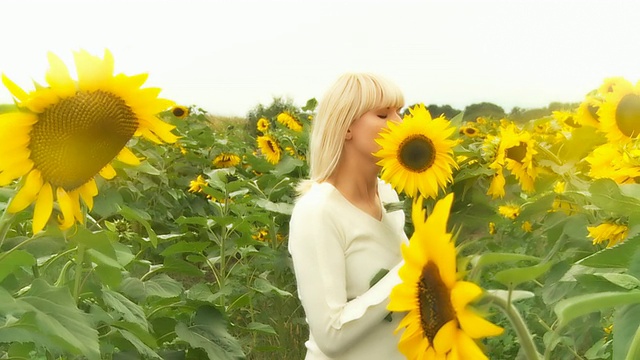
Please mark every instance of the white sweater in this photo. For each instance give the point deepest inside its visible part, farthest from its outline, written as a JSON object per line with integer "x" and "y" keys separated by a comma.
{"x": 337, "y": 249}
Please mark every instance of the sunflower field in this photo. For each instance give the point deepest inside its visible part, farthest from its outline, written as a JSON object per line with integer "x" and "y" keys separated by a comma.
{"x": 136, "y": 228}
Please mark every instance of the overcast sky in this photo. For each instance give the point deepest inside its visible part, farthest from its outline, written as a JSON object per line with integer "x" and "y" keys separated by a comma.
{"x": 229, "y": 56}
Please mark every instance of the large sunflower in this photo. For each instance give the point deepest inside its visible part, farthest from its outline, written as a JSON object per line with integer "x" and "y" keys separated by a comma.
{"x": 416, "y": 154}
{"x": 65, "y": 134}
{"x": 270, "y": 148}
{"x": 438, "y": 323}
{"x": 620, "y": 112}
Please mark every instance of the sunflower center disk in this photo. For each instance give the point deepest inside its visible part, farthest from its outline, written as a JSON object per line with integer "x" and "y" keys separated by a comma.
{"x": 76, "y": 137}
{"x": 435, "y": 301}
{"x": 628, "y": 115}
{"x": 417, "y": 153}
{"x": 517, "y": 153}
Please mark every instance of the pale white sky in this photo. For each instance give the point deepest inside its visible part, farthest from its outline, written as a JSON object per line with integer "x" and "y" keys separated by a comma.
{"x": 228, "y": 56}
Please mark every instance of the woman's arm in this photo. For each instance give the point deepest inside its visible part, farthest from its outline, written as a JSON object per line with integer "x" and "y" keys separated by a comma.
{"x": 316, "y": 246}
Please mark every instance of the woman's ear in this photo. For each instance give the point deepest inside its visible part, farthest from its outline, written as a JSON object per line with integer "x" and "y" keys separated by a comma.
{"x": 348, "y": 135}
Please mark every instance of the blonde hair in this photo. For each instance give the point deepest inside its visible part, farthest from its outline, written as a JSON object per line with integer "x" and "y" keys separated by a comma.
{"x": 350, "y": 97}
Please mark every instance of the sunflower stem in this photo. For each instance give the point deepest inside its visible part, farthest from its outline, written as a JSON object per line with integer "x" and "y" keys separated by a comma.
{"x": 78, "y": 274}
{"x": 518, "y": 323}
{"x": 549, "y": 154}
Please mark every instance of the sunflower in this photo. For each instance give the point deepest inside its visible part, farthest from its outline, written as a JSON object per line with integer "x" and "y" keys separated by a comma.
{"x": 416, "y": 154}
{"x": 270, "y": 148}
{"x": 515, "y": 153}
{"x": 620, "y": 112}
{"x": 614, "y": 161}
{"x": 180, "y": 112}
{"x": 67, "y": 133}
{"x": 608, "y": 231}
{"x": 225, "y": 160}
{"x": 196, "y": 186}
{"x": 469, "y": 131}
{"x": 509, "y": 211}
{"x": 263, "y": 125}
{"x": 438, "y": 322}
{"x": 289, "y": 121}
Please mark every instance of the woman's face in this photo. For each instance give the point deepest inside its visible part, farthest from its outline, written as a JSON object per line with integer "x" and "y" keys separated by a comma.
{"x": 364, "y": 130}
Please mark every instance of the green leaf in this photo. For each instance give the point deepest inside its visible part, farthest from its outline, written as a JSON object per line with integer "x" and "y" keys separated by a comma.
{"x": 605, "y": 194}
{"x": 185, "y": 247}
{"x": 128, "y": 310}
{"x": 287, "y": 165}
{"x": 143, "y": 218}
{"x": 515, "y": 295}
{"x": 263, "y": 286}
{"x": 516, "y": 276}
{"x": 15, "y": 260}
{"x": 136, "y": 330}
{"x": 571, "y": 308}
{"x": 379, "y": 275}
{"x": 626, "y": 331}
{"x": 163, "y": 286}
{"x": 201, "y": 292}
{"x": 282, "y": 208}
{"x": 48, "y": 314}
{"x": 618, "y": 256}
{"x": 210, "y": 334}
{"x": 491, "y": 258}
{"x": 140, "y": 346}
{"x": 260, "y": 327}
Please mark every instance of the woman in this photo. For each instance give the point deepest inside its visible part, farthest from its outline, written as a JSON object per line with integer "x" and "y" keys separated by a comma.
{"x": 340, "y": 234}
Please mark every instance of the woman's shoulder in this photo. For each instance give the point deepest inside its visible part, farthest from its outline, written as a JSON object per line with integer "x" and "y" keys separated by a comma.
{"x": 319, "y": 196}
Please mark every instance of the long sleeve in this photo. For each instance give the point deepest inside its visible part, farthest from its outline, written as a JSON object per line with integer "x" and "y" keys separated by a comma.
{"x": 317, "y": 246}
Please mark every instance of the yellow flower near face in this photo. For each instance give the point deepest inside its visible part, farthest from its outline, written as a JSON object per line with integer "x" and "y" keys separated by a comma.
{"x": 611, "y": 232}
{"x": 225, "y": 160}
{"x": 439, "y": 324}
{"x": 509, "y": 211}
{"x": 289, "y": 121}
{"x": 196, "y": 186}
{"x": 180, "y": 112}
{"x": 68, "y": 132}
{"x": 416, "y": 154}
{"x": 270, "y": 148}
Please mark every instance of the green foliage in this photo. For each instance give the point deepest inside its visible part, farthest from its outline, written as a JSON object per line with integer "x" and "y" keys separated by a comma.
{"x": 483, "y": 109}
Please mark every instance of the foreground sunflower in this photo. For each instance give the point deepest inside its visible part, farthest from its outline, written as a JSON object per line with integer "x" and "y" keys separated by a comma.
{"x": 270, "y": 148}
{"x": 67, "y": 133}
{"x": 416, "y": 154}
{"x": 619, "y": 114}
{"x": 438, "y": 323}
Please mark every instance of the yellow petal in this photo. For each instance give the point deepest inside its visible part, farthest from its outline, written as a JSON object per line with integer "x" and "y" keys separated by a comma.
{"x": 28, "y": 192}
{"x": 475, "y": 326}
{"x": 15, "y": 90}
{"x": 108, "y": 172}
{"x": 67, "y": 218}
{"x": 463, "y": 293}
{"x": 468, "y": 349}
{"x": 445, "y": 337}
{"x": 58, "y": 77}
{"x": 75, "y": 203}
{"x": 44, "y": 206}
{"x": 87, "y": 192}
{"x": 128, "y": 157}
{"x": 10, "y": 174}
